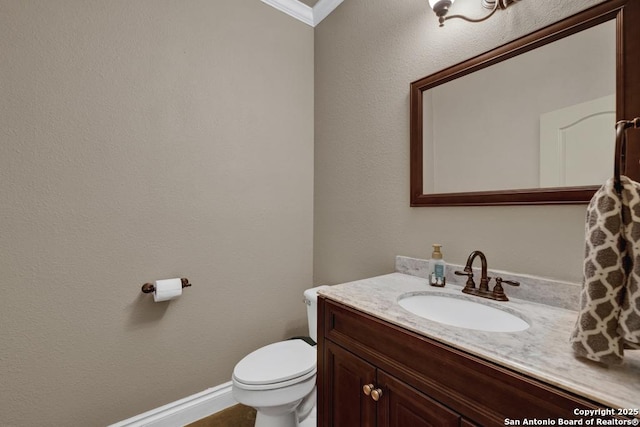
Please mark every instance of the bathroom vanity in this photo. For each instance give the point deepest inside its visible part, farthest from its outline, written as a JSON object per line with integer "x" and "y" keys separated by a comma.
{"x": 380, "y": 365}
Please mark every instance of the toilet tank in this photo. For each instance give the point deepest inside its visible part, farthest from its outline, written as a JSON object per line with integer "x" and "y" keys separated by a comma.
{"x": 311, "y": 299}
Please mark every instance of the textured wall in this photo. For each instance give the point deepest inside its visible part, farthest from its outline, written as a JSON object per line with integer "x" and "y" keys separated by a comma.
{"x": 143, "y": 140}
{"x": 367, "y": 53}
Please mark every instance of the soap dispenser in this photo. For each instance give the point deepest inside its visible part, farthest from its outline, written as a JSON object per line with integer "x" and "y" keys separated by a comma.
{"x": 437, "y": 267}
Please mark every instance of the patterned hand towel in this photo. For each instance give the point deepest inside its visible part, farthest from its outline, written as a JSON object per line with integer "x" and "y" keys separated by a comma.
{"x": 609, "y": 317}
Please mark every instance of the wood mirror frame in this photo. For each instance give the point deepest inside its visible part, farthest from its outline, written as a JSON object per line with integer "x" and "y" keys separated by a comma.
{"x": 627, "y": 16}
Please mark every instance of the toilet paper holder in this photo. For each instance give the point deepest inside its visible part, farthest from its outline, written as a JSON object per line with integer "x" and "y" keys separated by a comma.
{"x": 149, "y": 288}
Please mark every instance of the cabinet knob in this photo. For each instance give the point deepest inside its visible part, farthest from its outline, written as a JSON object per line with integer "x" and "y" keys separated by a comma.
{"x": 376, "y": 394}
{"x": 366, "y": 389}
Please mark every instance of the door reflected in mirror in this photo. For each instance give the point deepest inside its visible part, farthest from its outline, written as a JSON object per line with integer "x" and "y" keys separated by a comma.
{"x": 544, "y": 118}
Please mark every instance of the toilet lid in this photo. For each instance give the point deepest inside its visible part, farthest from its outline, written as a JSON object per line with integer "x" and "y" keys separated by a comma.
{"x": 276, "y": 363}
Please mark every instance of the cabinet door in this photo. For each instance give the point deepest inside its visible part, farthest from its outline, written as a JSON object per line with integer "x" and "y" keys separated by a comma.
{"x": 346, "y": 374}
{"x": 402, "y": 406}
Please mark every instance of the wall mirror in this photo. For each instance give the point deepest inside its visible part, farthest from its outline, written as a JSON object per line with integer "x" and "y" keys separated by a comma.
{"x": 532, "y": 121}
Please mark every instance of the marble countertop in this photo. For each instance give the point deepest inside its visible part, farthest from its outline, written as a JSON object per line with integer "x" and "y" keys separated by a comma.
{"x": 542, "y": 351}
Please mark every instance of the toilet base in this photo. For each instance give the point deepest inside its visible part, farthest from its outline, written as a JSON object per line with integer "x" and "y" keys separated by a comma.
{"x": 292, "y": 415}
{"x": 282, "y": 420}
{"x": 280, "y": 407}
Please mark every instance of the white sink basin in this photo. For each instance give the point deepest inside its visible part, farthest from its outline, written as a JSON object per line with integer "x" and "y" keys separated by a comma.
{"x": 462, "y": 313}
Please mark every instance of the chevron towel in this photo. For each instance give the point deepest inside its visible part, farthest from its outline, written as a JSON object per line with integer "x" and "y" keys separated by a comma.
{"x": 609, "y": 316}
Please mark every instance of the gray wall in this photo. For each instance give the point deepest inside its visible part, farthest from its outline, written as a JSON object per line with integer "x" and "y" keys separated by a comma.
{"x": 143, "y": 140}
{"x": 367, "y": 53}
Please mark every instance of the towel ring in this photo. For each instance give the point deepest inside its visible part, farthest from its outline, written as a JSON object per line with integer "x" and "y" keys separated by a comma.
{"x": 619, "y": 165}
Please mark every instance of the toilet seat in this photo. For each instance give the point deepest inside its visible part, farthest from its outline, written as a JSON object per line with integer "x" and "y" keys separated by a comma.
{"x": 276, "y": 365}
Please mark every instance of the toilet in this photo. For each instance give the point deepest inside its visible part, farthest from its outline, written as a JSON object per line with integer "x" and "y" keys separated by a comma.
{"x": 279, "y": 379}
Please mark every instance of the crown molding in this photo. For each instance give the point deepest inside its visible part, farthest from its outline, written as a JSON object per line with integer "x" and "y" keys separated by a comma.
{"x": 293, "y": 8}
{"x": 323, "y": 8}
{"x": 309, "y": 15}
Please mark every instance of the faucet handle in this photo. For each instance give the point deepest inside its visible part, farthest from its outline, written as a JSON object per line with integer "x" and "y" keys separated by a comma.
{"x": 498, "y": 291}
{"x": 500, "y": 280}
{"x": 469, "y": 273}
{"x": 464, "y": 273}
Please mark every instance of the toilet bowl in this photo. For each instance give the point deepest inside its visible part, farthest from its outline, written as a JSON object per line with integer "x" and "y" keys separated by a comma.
{"x": 279, "y": 379}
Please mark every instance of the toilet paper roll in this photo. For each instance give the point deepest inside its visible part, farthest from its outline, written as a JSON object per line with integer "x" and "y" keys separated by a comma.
{"x": 167, "y": 289}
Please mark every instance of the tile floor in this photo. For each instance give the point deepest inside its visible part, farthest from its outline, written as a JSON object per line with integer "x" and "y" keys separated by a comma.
{"x": 242, "y": 416}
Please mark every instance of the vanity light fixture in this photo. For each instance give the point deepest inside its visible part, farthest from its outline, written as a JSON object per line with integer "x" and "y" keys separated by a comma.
{"x": 441, "y": 8}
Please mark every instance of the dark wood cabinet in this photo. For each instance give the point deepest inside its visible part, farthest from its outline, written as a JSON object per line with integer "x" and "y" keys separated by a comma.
{"x": 347, "y": 374}
{"x": 399, "y": 405}
{"x": 403, "y": 406}
{"x": 419, "y": 381}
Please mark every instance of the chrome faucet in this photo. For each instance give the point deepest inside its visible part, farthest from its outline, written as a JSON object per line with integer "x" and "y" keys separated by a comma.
{"x": 483, "y": 291}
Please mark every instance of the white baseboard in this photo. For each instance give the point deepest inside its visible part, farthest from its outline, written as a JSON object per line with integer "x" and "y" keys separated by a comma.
{"x": 184, "y": 411}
